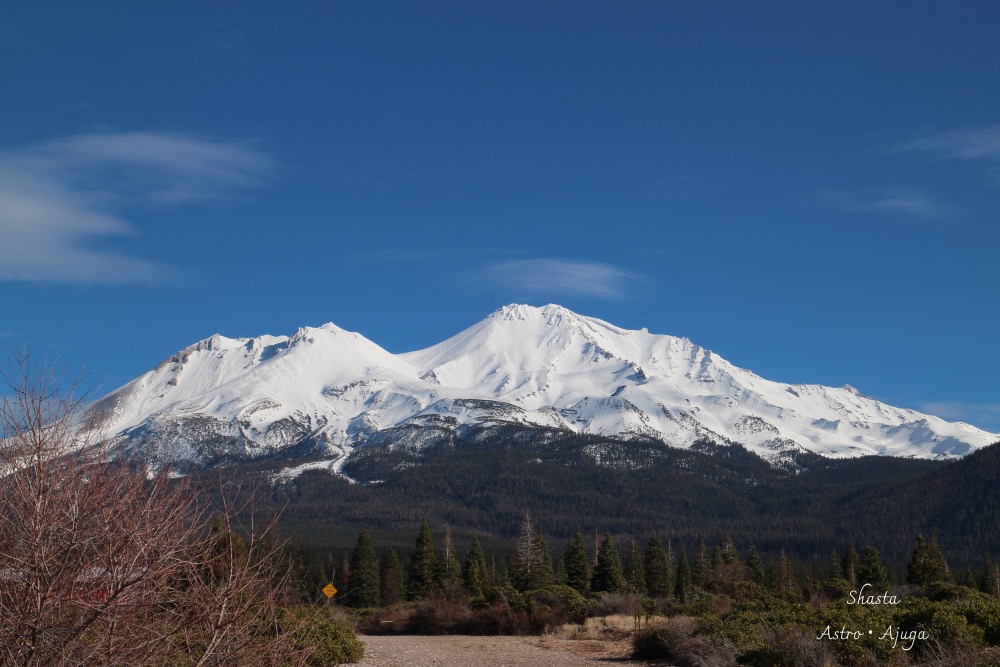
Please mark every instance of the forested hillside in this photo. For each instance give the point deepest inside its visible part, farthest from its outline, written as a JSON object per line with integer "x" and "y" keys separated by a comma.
{"x": 482, "y": 485}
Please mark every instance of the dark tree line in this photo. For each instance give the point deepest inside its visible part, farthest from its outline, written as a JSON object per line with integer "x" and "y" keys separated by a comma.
{"x": 478, "y": 486}
{"x": 653, "y": 570}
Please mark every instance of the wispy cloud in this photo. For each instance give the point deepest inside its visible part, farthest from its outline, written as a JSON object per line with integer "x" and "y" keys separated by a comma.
{"x": 980, "y": 144}
{"x": 422, "y": 254}
{"x": 59, "y": 199}
{"x": 897, "y": 202}
{"x": 961, "y": 143}
{"x": 564, "y": 277}
{"x": 983, "y": 415}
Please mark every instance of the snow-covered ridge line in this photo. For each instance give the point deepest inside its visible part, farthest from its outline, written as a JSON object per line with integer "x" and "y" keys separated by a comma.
{"x": 323, "y": 391}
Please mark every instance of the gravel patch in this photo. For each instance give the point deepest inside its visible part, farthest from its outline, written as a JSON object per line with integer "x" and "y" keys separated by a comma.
{"x": 463, "y": 651}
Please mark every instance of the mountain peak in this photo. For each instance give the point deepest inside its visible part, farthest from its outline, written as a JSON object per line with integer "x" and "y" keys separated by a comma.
{"x": 542, "y": 366}
{"x": 521, "y": 311}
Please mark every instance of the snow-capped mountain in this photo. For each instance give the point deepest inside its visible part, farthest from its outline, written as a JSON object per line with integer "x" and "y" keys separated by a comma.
{"x": 325, "y": 391}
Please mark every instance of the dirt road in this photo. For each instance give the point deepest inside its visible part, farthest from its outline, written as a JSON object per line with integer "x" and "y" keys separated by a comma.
{"x": 454, "y": 651}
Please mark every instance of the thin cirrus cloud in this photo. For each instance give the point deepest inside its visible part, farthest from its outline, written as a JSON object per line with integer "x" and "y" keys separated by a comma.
{"x": 560, "y": 277}
{"x": 895, "y": 202}
{"x": 966, "y": 143}
{"x": 60, "y": 199}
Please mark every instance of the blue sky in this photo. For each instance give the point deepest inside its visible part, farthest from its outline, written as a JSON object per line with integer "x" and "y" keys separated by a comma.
{"x": 810, "y": 191}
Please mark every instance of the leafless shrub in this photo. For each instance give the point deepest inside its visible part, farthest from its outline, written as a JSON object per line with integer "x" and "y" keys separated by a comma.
{"x": 677, "y": 641}
{"x": 440, "y": 615}
{"x": 790, "y": 645}
{"x": 612, "y": 604}
{"x": 939, "y": 654}
{"x": 101, "y": 564}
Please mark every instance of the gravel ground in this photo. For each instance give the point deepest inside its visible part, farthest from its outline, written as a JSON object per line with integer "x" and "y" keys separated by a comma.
{"x": 455, "y": 651}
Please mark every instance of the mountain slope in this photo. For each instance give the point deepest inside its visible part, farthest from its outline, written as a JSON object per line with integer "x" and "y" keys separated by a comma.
{"x": 324, "y": 391}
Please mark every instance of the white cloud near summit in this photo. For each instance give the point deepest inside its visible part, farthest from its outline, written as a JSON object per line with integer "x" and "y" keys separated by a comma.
{"x": 561, "y": 277}
{"x": 62, "y": 201}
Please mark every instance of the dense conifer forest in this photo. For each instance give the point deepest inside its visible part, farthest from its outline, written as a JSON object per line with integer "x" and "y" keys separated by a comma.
{"x": 481, "y": 486}
{"x": 710, "y": 603}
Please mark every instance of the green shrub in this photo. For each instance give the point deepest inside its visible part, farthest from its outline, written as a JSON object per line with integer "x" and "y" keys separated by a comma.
{"x": 563, "y": 603}
{"x": 982, "y": 611}
{"x": 318, "y": 630}
{"x": 652, "y": 644}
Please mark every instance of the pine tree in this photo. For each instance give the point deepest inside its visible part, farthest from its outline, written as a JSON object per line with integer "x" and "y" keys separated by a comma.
{"x": 657, "y": 565}
{"x": 449, "y": 572}
{"x": 729, "y": 553}
{"x": 608, "y": 576}
{"x": 423, "y": 565}
{"x": 835, "y": 571}
{"x": 576, "y": 564}
{"x": 363, "y": 582}
{"x": 927, "y": 565}
{"x": 850, "y": 567}
{"x": 755, "y": 566}
{"x": 340, "y": 578}
{"x": 784, "y": 579}
{"x": 990, "y": 582}
{"x": 475, "y": 571}
{"x": 543, "y": 564}
{"x": 701, "y": 573}
{"x": 391, "y": 583}
{"x": 531, "y": 564}
{"x": 634, "y": 571}
{"x": 682, "y": 588}
{"x": 969, "y": 578}
{"x": 871, "y": 571}
{"x": 728, "y": 572}
{"x": 559, "y": 575}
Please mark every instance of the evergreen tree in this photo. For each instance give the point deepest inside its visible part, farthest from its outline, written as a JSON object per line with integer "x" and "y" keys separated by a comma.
{"x": 608, "y": 576}
{"x": 729, "y": 553}
{"x": 835, "y": 571}
{"x": 543, "y": 566}
{"x": 850, "y": 566}
{"x": 701, "y": 573}
{"x": 531, "y": 564}
{"x": 990, "y": 582}
{"x": 927, "y": 565}
{"x": 559, "y": 576}
{"x": 475, "y": 571}
{"x": 576, "y": 564}
{"x": 423, "y": 565}
{"x": 363, "y": 581}
{"x": 682, "y": 588}
{"x": 727, "y": 571}
{"x": 969, "y": 578}
{"x": 391, "y": 583}
{"x": 634, "y": 571}
{"x": 871, "y": 571}
{"x": 657, "y": 569}
{"x": 449, "y": 572}
{"x": 311, "y": 568}
{"x": 785, "y": 579}
{"x": 330, "y": 567}
{"x": 755, "y": 566}
{"x": 340, "y": 578}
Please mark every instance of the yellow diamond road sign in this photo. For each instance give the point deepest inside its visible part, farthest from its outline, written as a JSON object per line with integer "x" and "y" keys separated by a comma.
{"x": 329, "y": 590}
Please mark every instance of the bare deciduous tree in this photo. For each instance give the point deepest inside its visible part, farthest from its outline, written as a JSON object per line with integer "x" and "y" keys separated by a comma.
{"x": 102, "y": 562}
